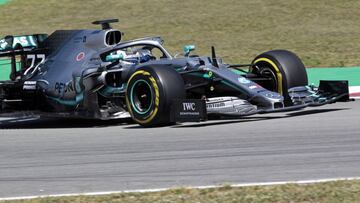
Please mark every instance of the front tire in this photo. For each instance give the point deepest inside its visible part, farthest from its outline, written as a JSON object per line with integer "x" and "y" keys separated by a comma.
{"x": 284, "y": 68}
{"x": 150, "y": 93}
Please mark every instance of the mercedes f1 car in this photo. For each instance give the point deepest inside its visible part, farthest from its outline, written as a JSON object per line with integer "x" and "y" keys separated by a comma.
{"x": 94, "y": 74}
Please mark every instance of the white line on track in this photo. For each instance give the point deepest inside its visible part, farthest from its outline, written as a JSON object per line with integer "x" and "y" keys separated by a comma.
{"x": 194, "y": 187}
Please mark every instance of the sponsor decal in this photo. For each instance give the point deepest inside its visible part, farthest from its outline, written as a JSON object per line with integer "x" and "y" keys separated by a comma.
{"x": 24, "y": 41}
{"x": 33, "y": 65}
{"x": 62, "y": 87}
{"x": 243, "y": 80}
{"x": 29, "y": 85}
{"x": 21, "y": 40}
{"x": 188, "y": 110}
{"x": 80, "y": 56}
{"x": 95, "y": 59}
{"x": 215, "y": 105}
{"x": 189, "y": 106}
{"x": 189, "y": 113}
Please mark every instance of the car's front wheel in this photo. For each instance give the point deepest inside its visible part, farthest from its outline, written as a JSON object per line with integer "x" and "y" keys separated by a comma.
{"x": 283, "y": 68}
{"x": 150, "y": 93}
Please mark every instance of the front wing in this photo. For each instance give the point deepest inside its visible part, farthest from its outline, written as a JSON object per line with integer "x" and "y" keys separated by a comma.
{"x": 197, "y": 110}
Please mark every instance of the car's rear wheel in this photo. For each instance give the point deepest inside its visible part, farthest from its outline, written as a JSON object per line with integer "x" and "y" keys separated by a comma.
{"x": 284, "y": 70}
{"x": 150, "y": 93}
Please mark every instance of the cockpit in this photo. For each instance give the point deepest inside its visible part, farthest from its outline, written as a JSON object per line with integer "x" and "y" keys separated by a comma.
{"x": 137, "y": 52}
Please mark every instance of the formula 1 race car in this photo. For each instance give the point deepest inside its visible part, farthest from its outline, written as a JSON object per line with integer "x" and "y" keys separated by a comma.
{"x": 94, "y": 74}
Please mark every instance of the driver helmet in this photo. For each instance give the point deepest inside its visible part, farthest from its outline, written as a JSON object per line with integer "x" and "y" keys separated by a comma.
{"x": 144, "y": 55}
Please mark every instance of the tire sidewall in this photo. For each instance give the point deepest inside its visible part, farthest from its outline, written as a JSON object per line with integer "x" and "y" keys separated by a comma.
{"x": 166, "y": 85}
{"x": 288, "y": 66}
{"x": 152, "y": 114}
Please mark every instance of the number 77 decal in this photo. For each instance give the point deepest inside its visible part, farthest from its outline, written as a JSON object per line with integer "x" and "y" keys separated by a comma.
{"x": 33, "y": 65}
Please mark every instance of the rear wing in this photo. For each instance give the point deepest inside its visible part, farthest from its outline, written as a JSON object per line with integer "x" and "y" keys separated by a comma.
{"x": 23, "y": 41}
{"x": 15, "y": 52}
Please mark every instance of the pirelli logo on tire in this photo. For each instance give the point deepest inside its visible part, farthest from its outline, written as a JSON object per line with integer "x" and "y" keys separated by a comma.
{"x": 188, "y": 110}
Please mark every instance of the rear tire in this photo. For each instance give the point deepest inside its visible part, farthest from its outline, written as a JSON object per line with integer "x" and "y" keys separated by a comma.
{"x": 150, "y": 93}
{"x": 284, "y": 68}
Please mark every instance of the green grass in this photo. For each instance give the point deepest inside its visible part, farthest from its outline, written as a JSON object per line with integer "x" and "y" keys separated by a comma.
{"x": 322, "y": 32}
{"x": 330, "y": 192}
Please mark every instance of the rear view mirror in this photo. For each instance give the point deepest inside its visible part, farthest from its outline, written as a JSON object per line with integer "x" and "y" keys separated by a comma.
{"x": 188, "y": 49}
{"x": 114, "y": 56}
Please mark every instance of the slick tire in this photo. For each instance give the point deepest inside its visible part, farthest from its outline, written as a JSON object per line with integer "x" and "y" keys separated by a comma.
{"x": 284, "y": 68}
{"x": 150, "y": 93}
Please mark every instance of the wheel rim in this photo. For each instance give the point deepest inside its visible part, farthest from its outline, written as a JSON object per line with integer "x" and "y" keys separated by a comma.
{"x": 264, "y": 70}
{"x": 141, "y": 97}
{"x": 269, "y": 73}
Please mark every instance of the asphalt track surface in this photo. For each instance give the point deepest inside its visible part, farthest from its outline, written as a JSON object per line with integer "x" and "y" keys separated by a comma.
{"x": 48, "y": 156}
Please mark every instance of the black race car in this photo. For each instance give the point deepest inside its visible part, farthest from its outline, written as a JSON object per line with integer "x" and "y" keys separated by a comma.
{"x": 94, "y": 74}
